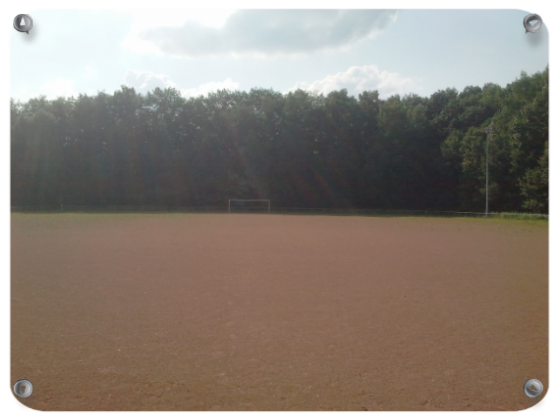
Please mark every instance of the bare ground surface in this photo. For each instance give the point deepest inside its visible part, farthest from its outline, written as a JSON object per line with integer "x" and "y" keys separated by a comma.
{"x": 270, "y": 312}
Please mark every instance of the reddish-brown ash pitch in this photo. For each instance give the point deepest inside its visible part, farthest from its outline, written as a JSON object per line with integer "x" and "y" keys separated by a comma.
{"x": 270, "y": 312}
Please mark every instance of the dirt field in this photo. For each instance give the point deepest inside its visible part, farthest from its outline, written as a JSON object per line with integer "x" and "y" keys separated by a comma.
{"x": 270, "y": 312}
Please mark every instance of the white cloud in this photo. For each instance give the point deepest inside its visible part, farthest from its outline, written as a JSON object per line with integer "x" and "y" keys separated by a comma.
{"x": 206, "y": 88}
{"x": 145, "y": 81}
{"x": 360, "y": 78}
{"x": 145, "y": 19}
{"x": 264, "y": 33}
{"x": 59, "y": 87}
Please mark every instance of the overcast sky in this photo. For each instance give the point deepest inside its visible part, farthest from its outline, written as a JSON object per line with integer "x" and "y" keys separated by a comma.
{"x": 395, "y": 52}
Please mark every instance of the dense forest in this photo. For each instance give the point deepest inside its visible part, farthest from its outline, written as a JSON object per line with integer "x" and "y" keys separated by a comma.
{"x": 298, "y": 149}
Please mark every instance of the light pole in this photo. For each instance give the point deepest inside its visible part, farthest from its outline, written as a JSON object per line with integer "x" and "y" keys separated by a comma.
{"x": 488, "y": 131}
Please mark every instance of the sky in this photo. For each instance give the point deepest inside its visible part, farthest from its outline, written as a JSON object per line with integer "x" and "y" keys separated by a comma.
{"x": 72, "y": 52}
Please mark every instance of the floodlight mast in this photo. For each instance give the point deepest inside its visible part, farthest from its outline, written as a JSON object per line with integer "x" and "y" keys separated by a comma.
{"x": 488, "y": 131}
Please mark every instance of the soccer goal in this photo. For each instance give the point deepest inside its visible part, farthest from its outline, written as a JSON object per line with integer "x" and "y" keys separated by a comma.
{"x": 249, "y": 206}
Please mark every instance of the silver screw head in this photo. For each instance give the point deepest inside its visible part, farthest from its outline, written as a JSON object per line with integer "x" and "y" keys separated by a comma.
{"x": 23, "y": 388}
{"x": 533, "y": 388}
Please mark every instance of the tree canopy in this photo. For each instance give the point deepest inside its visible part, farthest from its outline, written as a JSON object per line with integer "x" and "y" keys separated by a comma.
{"x": 297, "y": 149}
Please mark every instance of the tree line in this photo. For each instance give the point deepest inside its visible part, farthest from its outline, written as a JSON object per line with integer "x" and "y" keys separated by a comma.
{"x": 298, "y": 149}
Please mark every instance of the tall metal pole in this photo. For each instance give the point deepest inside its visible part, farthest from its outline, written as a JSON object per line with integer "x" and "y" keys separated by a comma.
{"x": 488, "y": 131}
{"x": 487, "y": 175}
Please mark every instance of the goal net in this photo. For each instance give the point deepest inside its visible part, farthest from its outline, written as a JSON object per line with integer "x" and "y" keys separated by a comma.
{"x": 249, "y": 206}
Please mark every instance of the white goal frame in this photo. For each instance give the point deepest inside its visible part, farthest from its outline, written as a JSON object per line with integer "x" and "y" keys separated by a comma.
{"x": 238, "y": 199}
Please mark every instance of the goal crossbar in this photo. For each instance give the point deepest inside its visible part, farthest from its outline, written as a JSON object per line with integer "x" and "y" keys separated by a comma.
{"x": 247, "y": 200}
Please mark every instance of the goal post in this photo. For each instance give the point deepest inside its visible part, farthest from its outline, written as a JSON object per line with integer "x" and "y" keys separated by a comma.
{"x": 237, "y": 205}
